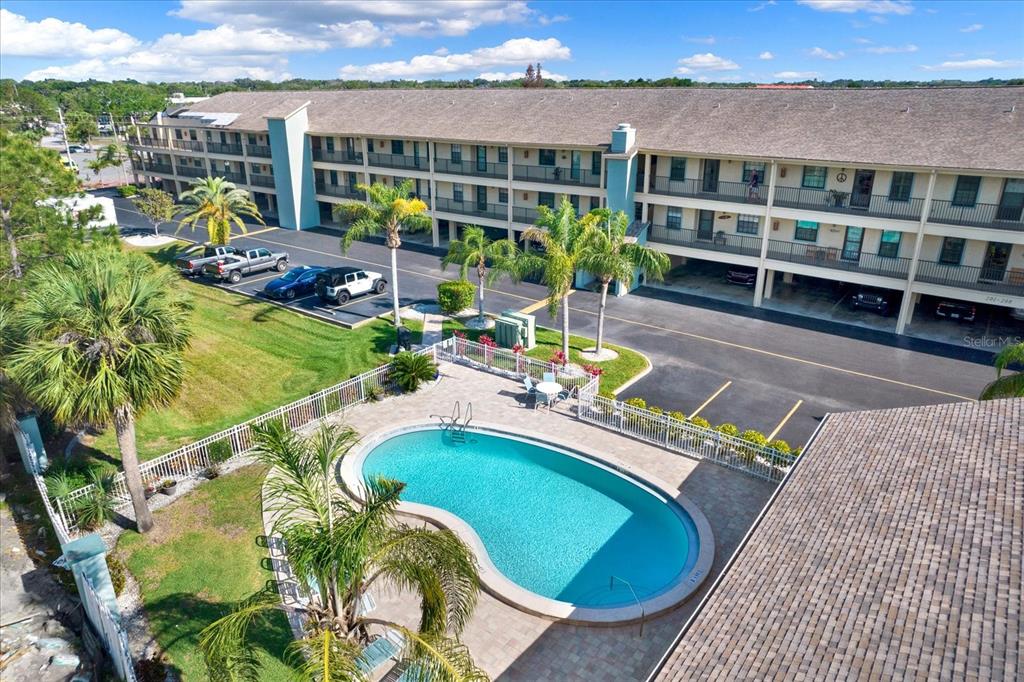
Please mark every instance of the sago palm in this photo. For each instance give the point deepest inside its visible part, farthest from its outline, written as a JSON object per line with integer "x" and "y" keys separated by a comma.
{"x": 388, "y": 211}
{"x": 338, "y": 549}
{"x": 105, "y": 334}
{"x": 608, "y": 255}
{"x": 1011, "y": 385}
{"x": 558, "y": 232}
{"x": 476, "y": 250}
{"x": 221, "y": 204}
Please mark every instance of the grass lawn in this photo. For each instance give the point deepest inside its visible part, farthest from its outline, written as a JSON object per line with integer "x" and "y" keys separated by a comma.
{"x": 197, "y": 562}
{"x": 246, "y": 358}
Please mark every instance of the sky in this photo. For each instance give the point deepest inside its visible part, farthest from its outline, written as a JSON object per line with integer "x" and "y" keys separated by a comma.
{"x": 749, "y": 40}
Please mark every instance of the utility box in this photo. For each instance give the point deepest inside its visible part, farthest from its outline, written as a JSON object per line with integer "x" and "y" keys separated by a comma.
{"x": 528, "y": 324}
{"x": 507, "y": 333}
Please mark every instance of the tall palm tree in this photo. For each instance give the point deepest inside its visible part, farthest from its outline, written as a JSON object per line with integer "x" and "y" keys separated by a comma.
{"x": 558, "y": 232}
{"x": 608, "y": 255}
{"x": 339, "y": 548}
{"x": 475, "y": 250}
{"x": 389, "y": 210}
{"x": 105, "y": 334}
{"x": 221, "y": 204}
{"x": 111, "y": 155}
{"x": 1011, "y": 385}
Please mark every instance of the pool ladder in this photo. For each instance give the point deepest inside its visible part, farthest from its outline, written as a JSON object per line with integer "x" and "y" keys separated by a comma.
{"x": 455, "y": 423}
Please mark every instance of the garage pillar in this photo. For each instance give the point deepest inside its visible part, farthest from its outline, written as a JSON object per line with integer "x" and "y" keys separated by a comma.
{"x": 769, "y": 280}
{"x": 787, "y": 277}
{"x": 910, "y": 302}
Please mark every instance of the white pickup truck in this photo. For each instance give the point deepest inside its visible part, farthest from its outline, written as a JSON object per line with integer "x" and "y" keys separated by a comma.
{"x": 338, "y": 285}
{"x": 246, "y": 262}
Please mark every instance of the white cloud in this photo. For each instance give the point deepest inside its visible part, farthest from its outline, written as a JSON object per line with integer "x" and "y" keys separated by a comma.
{"x": 545, "y": 20}
{"x": 229, "y": 40}
{"x": 766, "y": 55}
{"x": 701, "y": 40}
{"x": 508, "y": 76}
{"x": 851, "y": 6}
{"x": 796, "y": 75}
{"x": 973, "y": 28}
{"x": 822, "y": 53}
{"x": 148, "y": 66}
{"x": 974, "y": 64}
{"x": 719, "y": 79}
{"x": 705, "y": 62}
{"x": 862, "y": 41}
{"x": 891, "y": 49}
{"x": 514, "y": 51}
{"x": 56, "y": 38}
{"x": 761, "y": 5}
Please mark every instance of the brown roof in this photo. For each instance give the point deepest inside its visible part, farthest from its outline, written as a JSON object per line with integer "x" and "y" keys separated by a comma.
{"x": 979, "y": 128}
{"x": 893, "y": 551}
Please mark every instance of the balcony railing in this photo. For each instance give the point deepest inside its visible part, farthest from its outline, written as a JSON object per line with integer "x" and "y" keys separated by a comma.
{"x": 224, "y": 148}
{"x": 832, "y": 258}
{"x": 492, "y": 211}
{"x": 524, "y": 214}
{"x": 342, "y": 191}
{"x": 979, "y": 215}
{"x": 337, "y": 156}
{"x": 739, "y": 192}
{"x": 262, "y": 180}
{"x": 877, "y": 205}
{"x": 260, "y": 151}
{"x": 192, "y": 171}
{"x": 996, "y": 280}
{"x": 152, "y": 142}
{"x": 231, "y": 176}
{"x": 398, "y": 161}
{"x": 746, "y": 245}
{"x": 471, "y": 167}
{"x": 159, "y": 168}
{"x": 187, "y": 145}
{"x": 556, "y": 174}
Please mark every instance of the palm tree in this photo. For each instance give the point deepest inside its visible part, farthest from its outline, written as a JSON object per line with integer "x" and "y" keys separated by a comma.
{"x": 389, "y": 210}
{"x": 110, "y": 156}
{"x": 338, "y": 549}
{"x": 475, "y": 249}
{"x": 1011, "y": 385}
{"x": 221, "y": 204}
{"x": 558, "y": 231}
{"x": 608, "y": 255}
{"x": 11, "y": 399}
{"x": 105, "y": 334}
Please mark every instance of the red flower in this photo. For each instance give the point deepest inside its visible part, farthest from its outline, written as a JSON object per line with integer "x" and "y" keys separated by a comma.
{"x": 518, "y": 349}
{"x": 485, "y": 340}
{"x": 457, "y": 334}
{"x": 558, "y": 358}
{"x": 593, "y": 370}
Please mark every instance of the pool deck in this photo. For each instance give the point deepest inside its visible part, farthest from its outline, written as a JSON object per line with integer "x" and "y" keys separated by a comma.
{"x": 513, "y": 645}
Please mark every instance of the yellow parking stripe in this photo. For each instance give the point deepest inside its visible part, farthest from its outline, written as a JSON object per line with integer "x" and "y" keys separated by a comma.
{"x": 249, "y": 234}
{"x": 539, "y": 304}
{"x": 713, "y": 396}
{"x": 785, "y": 419}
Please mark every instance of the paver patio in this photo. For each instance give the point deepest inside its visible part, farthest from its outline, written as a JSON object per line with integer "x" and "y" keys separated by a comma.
{"x": 512, "y": 645}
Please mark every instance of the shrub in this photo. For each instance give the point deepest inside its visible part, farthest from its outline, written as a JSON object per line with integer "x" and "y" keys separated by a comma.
{"x": 754, "y": 437}
{"x": 677, "y": 415}
{"x": 97, "y": 507}
{"x": 606, "y": 393}
{"x": 728, "y": 429}
{"x": 454, "y": 296}
{"x": 558, "y": 358}
{"x": 639, "y": 403}
{"x": 656, "y": 410}
{"x": 63, "y": 479}
{"x": 152, "y": 669}
{"x": 518, "y": 349}
{"x": 701, "y": 423}
{"x": 372, "y": 392}
{"x": 118, "y": 573}
{"x": 593, "y": 370}
{"x": 219, "y": 450}
{"x": 410, "y": 370}
{"x": 485, "y": 340}
{"x": 780, "y": 446}
{"x": 127, "y": 190}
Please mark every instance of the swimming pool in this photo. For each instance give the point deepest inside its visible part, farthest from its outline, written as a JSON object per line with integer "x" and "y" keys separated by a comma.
{"x": 558, "y": 524}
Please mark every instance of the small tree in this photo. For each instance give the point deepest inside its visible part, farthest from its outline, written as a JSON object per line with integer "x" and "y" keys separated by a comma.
{"x": 221, "y": 204}
{"x": 529, "y": 77}
{"x": 112, "y": 155}
{"x": 1010, "y": 385}
{"x": 474, "y": 250}
{"x": 80, "y": 126}
{"x": 157, "y": 205}
{"x": 538, "y": 78}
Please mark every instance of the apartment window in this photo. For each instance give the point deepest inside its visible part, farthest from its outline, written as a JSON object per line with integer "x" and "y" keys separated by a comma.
{"x": 251, "y": 139}
{"x": 746, "y": 224}
{"x": 481, "y": 158}
{"x": 177, "y": 133}
{"x": 546, "y": 199}
{"x": 481, "y": 197}
{"x": 457, "y": 192}
{"x": 595, "y": 163}
{"x": 369, "y": 145}
{"x": 966, "y": 191}
{"x": 254, "y": 168}
{"x": 806, "y": 231}
{"x": 209, "y": 136}
{"x": 397, "y": 147}
{"x": 902, "y": 182}
{"x": 952, "y": 250}
{"x": 674, "y": 219}
{"x": 547, "y": 157}
{"x": 502, "y": 196}
{"x": 574, "y": 199}
{"x": 334, "y": 177}
{"x": 749, "y": 167}
{"x": 502, "y": 154}
{"x": 678, "y": 169}
{"x": 456, "y": 153}
{"x": 889, "y": 247}
{"x": 352, "y": 182}
{"x": 814, "y": 177}
{"x": 638, "y": 210}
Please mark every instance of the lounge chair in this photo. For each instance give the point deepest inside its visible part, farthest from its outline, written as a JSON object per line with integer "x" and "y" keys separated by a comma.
{"x": 366, "y": 604}
{"x": 411, "y": 674}
{"x": 531, "y": 391}
{"x": 549, "y": 376}
{"x": 376, "y": 654}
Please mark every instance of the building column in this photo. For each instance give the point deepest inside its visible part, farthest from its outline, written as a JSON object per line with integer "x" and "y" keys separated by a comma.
{"x": 769, "y": 282}
{"x": 435, "y": 238}
{"x": 620, "y": 169}
{"x": 366, "y": 163}
{"x": 759, "y": 285}
{"x": 511, "y": 192}
{"x": 907, "y": 305}
{"x": 291, "y": 156}
{"x": 644, "y": 215}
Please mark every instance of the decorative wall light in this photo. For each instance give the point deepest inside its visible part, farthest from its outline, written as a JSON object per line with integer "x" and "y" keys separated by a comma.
{"x": 775, "y": 226}
{"x": 782, "y": 172}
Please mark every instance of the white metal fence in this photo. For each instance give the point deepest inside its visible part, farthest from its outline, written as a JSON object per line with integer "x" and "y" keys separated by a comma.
{"x": 684, "y": 437}
{"x": 508, "y": 363}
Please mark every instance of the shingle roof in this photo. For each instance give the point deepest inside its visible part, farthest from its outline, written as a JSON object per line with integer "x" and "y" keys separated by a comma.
{"x": 893, "y": 551}
{"x": 979, "y": 128}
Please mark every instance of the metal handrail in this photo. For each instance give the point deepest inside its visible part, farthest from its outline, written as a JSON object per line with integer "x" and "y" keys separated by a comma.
{"x": 453, "y": 419}
{"x": 643, "y": 613}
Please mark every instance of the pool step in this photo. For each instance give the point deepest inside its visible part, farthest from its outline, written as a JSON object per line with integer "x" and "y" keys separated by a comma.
{"x": 458, "y": 436}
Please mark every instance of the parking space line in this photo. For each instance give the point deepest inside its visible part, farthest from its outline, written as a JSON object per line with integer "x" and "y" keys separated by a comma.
{"x": 785, "y": 419}
{"x": 255, "y": 279}
{"x": 249, "y": 234}
{"x": 540, "y": 304}
{"x": 712, "y": 397}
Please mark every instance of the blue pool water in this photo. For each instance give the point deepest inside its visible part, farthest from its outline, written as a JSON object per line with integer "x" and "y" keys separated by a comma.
{"x": 555, "y": 524}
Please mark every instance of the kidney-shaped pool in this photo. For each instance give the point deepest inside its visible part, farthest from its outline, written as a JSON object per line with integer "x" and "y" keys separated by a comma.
{"x": 562, "y": 525}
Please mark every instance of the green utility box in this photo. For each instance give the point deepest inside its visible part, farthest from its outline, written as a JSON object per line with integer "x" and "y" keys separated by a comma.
{"x": 527, "y": 328}
{"x": 507, "y": 333}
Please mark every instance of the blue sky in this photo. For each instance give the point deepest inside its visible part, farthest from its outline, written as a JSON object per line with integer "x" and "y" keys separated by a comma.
{"x": 759, "y": 40}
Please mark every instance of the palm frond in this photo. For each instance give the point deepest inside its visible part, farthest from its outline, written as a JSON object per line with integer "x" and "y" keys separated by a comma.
{"x": 223, "y": 643}
{"x": 1009, "y": 386}
{"x": 325, "y": 657}
{"x": 438, "y": 658}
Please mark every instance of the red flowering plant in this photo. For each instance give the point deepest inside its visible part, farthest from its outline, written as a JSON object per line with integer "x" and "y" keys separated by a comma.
{"x": 460, "y": 342}
{"x": 518, "y": 349}
{"x": 558, "y": 358}
{"x": 519, "y": 352}
{"x": 593, "y": 370}
{"x": 489, "y": 345}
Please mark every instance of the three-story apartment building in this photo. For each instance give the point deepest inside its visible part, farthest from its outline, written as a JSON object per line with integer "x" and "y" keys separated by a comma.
{"x": 919, "y": 192}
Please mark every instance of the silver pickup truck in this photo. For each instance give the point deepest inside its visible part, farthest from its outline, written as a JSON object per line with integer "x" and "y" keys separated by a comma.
{"x": 191, "y": 264}
{"x": 246, "y": 262}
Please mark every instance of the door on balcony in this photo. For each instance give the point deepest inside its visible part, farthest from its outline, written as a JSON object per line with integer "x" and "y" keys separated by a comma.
{"x": 1011, "y": 205}
{"x": 996, "y": 257}
{"x": 706, "y": 224}
{"x": 710, "y": 183}
{"x": 481, "y": 158}
{"x": 481, "y": 198}
{"x": 574, "y": 167}
{"x": 853, "y": 242}
{"x": 863, "y": 181}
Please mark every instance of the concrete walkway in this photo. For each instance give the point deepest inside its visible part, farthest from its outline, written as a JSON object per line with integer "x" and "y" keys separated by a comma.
{"x": 432, "y": 328}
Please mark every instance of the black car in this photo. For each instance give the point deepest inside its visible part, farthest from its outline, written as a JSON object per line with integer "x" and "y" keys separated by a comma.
{"x": 871, "y": 299}
{"x": 746, "y": 277}
{"x": 956, "y": 310}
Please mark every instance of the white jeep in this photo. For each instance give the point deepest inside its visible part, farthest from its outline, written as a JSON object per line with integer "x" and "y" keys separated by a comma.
{"x": 338, "y": 285}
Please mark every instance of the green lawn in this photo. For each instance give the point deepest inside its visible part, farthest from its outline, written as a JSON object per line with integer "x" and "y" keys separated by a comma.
{"x": 198, "y": 561}
{"x": 246, "y": 358}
